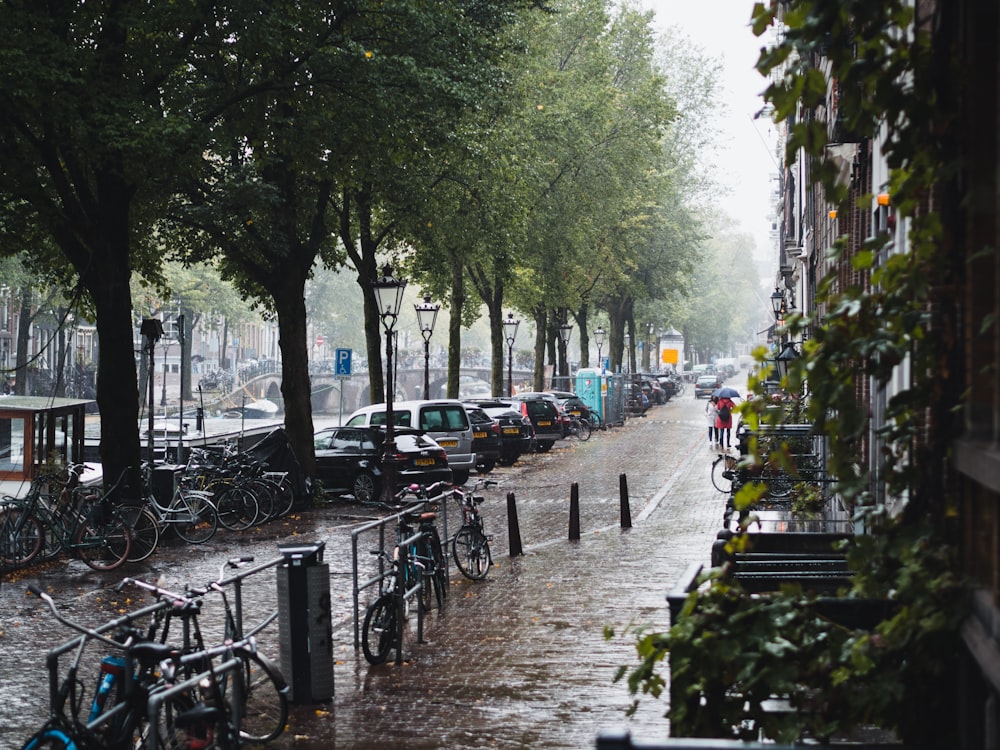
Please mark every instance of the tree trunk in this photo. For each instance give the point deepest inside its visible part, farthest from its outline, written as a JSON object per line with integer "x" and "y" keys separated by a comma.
{"x": 538, "y": 373}
{"x": 456, "y": 304}
{"x": 296, "y": 386}
{"x": 581, "y": 318}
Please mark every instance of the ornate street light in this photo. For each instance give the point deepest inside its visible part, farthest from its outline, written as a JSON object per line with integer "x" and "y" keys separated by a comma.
{"x": 510, "y": 333}
{"x": 389, "y": 297}
{"x": 787, "y": 354}
{"x": 427, "y": 313}
{"x": 777, "y": 301}
{"x": 599, "y": 340}
{"x": 565, "y": 331}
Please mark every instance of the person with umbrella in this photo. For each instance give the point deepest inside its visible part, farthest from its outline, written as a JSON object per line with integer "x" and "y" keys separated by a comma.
{"x": 724, "y": 418}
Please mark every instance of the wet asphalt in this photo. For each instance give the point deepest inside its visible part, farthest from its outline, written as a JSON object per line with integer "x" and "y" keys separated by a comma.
{"x": 519, "y": 660}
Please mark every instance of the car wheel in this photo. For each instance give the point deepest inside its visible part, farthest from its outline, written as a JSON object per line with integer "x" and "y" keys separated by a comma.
{"x": 508, "y": 459}
{"x": 543, "y": 446}
{"x": 460, "y": 477}
{"x": 365, "y": 488}
{"x": 485, "y": 467}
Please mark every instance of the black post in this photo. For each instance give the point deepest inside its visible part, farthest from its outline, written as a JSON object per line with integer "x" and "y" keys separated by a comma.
{"x": 574, "y": 512}
{"x": 427, "y": 366}
{"x": 510, "y": 369}
{"x": 513, "y": 529}
{"x": 388, "y": 462}
{"x": 626, "y": 513}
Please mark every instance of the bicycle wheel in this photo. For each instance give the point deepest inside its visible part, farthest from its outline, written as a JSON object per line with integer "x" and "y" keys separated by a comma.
{"x": 723, "y": 469}
{"x": 381, "y": 628}
{"x": 145, "y": 528}
{"x": 285, "y": 497}
{"x": 193, "y": 517}
{"x": 438, "y": 572}
{"x": 471, "y": 551}
{"x": 595, "y": 421}
{"x": 237, "y": 509}
{"x": 583, "y": 429}
{"x": 266, "y": 493}
{"x": 780, "y": 486}
{"x": 265, "y": 708}
{"x": 104, "y": 540}
{"x": 21, "y": 536}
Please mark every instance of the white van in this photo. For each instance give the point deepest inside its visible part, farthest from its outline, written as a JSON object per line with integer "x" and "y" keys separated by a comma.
{"x": 445, "y": 420}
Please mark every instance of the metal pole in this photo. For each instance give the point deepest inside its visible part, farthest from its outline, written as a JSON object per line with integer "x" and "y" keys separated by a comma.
{"x": 510, "y": 369}
{"x": 427, "y": 366}
{"x": 388, "y": 465}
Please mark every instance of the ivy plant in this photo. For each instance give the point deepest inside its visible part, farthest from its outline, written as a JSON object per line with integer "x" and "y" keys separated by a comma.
{"x": 732, "y": 653}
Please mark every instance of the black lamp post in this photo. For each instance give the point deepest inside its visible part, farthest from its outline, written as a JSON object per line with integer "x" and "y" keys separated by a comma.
{"x": 427, "y": 313}
{"x": 777, "y": 302}
{"x": 565, "y": 331}
{"x": 389, "y": 297}
{"x": 599, "y": 340}
{"x": 510, "y": 333}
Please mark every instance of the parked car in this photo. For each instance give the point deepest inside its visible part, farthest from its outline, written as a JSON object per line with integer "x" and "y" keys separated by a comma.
{"x": 516, "y": 430}
{"x": 485, "y": 439}
{"x": 350, "y": 460}
{"x": 445, "y": 420}
{"x": 545, "y": 416}
{"x": 705, "y": 385}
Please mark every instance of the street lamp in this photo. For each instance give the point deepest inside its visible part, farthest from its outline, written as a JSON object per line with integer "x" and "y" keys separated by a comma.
{"x": 389, "y": 297}
{"x": 427, "y": 313}
{"x": 787, "y": 354}
{"x": 510, "y": 333}
{"x": 628, "y": 350}
{"x": 777, "y": 301}
{"x": 599, "y": 340}
{"x": 565, "y": 331}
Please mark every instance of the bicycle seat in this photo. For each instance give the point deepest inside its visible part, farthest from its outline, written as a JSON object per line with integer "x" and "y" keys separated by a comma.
{"x": 150, "y": 652}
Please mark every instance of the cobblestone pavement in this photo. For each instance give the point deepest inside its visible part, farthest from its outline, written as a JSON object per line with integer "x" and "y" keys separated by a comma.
{"x": 516, "y": 661}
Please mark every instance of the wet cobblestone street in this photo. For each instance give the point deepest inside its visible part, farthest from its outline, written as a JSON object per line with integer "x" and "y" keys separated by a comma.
{"x": 516, "y": 661}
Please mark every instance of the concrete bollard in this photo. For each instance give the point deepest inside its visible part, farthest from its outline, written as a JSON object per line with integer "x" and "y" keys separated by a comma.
{"x": 574, "y": 512}
{"x": 626, "y": 512}
{"x": 513, "y": 529}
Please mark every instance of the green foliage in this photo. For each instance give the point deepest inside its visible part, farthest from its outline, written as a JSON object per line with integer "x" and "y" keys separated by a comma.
{"x": 730, "y": 652}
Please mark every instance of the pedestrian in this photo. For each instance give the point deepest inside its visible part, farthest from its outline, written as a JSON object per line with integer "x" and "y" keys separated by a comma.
{"x": 724, "y": 421}
{"x": 712, "y": 416}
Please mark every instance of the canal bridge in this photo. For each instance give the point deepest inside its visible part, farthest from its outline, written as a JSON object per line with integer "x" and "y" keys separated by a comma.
{"x": 327, "y": 389}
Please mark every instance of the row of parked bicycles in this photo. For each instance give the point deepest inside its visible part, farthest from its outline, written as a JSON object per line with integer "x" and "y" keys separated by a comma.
{"x": 106, "y": 529}
{"x": 162, "y": 677}
{"x": 413, "y": 568}
{"x": 155, "y": 678}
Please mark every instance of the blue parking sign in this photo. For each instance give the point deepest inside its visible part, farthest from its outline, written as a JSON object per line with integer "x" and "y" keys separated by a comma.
{"x": 342, "y": 359}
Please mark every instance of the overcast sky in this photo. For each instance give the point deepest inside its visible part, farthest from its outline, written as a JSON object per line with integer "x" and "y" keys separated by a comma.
{"x": 745, "y": 159}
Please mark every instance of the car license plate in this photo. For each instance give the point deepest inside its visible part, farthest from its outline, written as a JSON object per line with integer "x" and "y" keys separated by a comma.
{"x": 423, "y": 461}
{"x": 511, "y": 430}
{"x": 575, "y": 412}
{"x": 544, "y": 423}
{"x": 479, "y": 435}
{"x": 447, "y": 443}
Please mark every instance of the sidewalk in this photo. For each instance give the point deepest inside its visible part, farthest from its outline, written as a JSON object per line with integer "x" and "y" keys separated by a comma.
{"x": 520, "y": 660}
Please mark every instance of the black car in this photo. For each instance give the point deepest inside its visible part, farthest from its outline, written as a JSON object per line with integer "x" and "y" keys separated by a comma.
{"x": 516, "y": 432}
{"x": 349, "y": 460}
{"x": 545, "y": 416}
{"x": 572, "y": 404}
{"x": 485, "y": 439}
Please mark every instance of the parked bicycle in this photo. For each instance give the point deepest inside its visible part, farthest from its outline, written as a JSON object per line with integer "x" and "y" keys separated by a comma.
{"x": 471, "y": 545}
{"x": 578, "y": 428}
{"x": 425, "y": 553}
{"x": 264, "y": 708}
{"x": 724, "y": 472}
{"x": 189, "y": 512}
{"x": 73, "y": 519}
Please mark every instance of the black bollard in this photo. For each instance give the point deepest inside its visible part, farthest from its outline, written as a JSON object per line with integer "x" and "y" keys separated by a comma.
{"x": 574, "y": 512}
{"x": 626, "y": 512}
{"x": 513, "y": 529}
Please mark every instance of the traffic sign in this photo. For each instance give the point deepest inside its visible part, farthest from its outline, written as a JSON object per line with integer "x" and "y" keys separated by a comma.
{"x": 320, "y": 340}
{"x": 342, "y": 362}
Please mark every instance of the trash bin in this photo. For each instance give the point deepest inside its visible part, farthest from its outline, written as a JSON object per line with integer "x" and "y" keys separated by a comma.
{"x": 163, "y": 482}
{"x": 305, "y": 628}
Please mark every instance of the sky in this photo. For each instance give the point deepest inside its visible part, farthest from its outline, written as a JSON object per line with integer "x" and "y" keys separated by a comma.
{"x": 745, "y": 158}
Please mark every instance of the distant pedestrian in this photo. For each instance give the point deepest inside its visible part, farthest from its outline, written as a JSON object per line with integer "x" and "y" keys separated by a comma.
{"x": 724, "y": 421}
{"x": 712, "y": 416}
